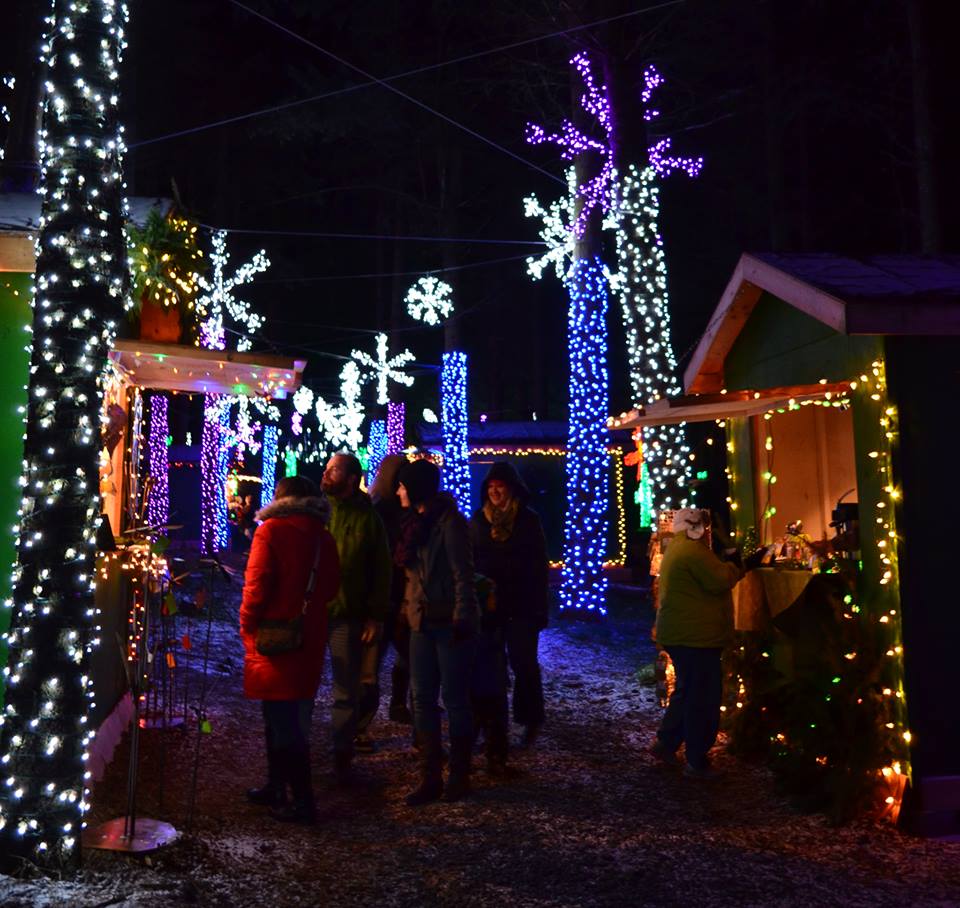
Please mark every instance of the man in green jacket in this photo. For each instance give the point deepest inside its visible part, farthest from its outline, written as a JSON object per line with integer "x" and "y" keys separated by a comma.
{"x": 357, "y": 612}
{"x": 694, "y": 624}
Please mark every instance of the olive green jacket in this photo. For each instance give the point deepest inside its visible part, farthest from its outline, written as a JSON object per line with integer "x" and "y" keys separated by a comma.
{"x": 365, "y": 563}
{"x": 696, "y": 608}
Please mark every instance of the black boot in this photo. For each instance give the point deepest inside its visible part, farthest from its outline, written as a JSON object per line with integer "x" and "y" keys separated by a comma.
{"x": 302, "y": 808}
{"x": 399, "y": 685}
{"x": 342, "y": 767}
{"x": 458, "y": 782}
{"x": 274, "y": 792}
{"x": 431, "y": 779}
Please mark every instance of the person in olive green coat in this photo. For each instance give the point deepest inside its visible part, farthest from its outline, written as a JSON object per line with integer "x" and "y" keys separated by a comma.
{"x": 694, "y": 624}
{"x": 357, "y": 612}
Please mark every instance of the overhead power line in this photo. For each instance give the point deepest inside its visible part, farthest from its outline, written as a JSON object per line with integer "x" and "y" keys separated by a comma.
{"x": 410, "y": 72}
{"x": 374, "y": 236}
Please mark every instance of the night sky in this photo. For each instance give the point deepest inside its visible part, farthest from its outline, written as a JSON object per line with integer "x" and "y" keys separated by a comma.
{"x": 804, "y": 113}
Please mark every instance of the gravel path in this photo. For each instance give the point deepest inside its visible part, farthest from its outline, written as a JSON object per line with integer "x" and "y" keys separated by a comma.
{"x": 591, "y": 820}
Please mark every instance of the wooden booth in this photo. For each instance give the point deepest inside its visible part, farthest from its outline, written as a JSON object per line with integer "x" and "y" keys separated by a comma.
{"x": 836, "y": 382}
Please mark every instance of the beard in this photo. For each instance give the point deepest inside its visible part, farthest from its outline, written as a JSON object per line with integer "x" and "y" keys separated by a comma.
{"x": 335, "y": 488}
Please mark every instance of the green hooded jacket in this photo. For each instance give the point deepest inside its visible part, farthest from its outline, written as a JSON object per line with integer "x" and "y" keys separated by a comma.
{"x": 365, "y": 563}
{"x": 696, "y": 608}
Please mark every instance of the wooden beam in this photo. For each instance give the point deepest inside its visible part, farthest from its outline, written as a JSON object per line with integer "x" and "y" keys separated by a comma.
{"x": 816, "y": 303}
{"x": 705, "y": 372}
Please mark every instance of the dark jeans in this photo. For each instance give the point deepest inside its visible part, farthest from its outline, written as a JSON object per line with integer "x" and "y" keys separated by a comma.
{"x": 437, "y": 663}
{"x": 287, "y": 725}
{"x": 693, "y": 716}
{"x": 488, "y": 692}
{"x": 523, "y": 638}
{"x": 346, "y": 655}
{"x": 395, "y": 632}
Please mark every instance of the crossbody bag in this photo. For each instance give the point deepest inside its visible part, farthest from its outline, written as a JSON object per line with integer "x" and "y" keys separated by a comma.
{"x": 276, "y": 636}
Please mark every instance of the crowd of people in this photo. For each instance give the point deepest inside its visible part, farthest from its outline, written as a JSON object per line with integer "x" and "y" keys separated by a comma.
{"x": 458, "y": 599}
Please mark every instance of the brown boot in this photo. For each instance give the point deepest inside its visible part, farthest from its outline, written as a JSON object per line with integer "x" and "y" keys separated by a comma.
{"x": 458, "y": 782}
{"x": 431, "y": 779}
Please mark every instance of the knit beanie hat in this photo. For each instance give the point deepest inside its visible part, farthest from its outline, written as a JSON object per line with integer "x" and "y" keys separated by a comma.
{"x": 421, "y": 479}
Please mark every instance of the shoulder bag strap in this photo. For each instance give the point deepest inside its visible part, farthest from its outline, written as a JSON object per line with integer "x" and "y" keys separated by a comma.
{"x": 312, "y": 580}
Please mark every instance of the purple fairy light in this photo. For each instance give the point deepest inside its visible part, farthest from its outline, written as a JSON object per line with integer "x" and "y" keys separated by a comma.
{"x": 573, "y": 142}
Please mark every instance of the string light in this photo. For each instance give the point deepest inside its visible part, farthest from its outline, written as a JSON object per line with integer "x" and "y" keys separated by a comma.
{"x": 268, "y": 454}
{"x": 376, "y": 446}
{"x": 428, "y": 300}
{"x": 583, "y": 584}
{"x": 453, "y": 409}
{"x": 641, "y": 286}
{"x": 219, "y": 295}
{"x": 396, "y": 433}
{"x": 383, "y": 368}
{"x": 616, "y": 459}
{"x": 214, "y": 461}
{"x": 872, "y": 675}
{"x": 594, "y": 193}
{"x": 158, "y": 500}
{"x": 80, "y": 293}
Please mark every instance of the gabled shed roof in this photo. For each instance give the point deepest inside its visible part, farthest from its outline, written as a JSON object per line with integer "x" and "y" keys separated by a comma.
{"x": 879, "y": 295}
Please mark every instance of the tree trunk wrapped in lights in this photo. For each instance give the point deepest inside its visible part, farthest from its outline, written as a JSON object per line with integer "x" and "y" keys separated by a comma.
{"x": 81, "y": 286}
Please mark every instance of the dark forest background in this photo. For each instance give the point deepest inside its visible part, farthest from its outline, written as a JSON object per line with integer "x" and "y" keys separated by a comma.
{"x": 826, "y": 125}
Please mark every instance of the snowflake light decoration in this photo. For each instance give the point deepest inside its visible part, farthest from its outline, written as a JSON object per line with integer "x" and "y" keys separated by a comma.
{"x": 340, "y": 423}
{"x": 219, "y": 295}
{"x": 556, "y": 232}
{"x": 302, "y": 404}
{"x": 428, "y": 300}
{"x": 383, "y": 368}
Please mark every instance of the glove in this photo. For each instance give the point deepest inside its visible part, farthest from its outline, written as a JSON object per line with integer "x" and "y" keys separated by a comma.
{"x": 462, "y": 631}
{"x": 754, "y": 560}
{"x": 733, "y": 556}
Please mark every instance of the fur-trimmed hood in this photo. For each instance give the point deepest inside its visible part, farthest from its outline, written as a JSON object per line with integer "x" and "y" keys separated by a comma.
{"x": 314, "y": 506}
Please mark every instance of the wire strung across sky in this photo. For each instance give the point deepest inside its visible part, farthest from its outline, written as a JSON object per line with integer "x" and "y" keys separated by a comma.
{"x": 374, "y": 274}
{"x": 410, "y": 72}
{"x": 375, "y": 236}
{"x": 398, "y": 91}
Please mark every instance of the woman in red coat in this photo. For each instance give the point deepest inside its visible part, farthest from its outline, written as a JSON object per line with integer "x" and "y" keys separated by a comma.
{"x": 291, "y": 536}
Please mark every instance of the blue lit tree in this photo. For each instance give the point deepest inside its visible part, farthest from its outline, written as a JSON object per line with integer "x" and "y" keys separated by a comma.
{"x": 429, "y": 300}
{"x": 575, "y": 226}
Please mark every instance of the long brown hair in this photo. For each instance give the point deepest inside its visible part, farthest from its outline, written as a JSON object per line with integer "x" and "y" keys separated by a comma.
{"x": 385, "y": 484}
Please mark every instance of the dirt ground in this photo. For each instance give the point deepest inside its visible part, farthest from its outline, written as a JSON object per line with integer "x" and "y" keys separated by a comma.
{"x": 591, "y": 820}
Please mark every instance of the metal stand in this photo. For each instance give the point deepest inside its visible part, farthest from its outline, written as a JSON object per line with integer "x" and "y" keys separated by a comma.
{"x": 200, "y": 710}
{"x": 130, "y": 833}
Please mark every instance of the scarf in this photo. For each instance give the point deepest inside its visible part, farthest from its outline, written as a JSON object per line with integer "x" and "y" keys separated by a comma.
{"x": 501, "y": 519}
{"x": 415, "y": 530}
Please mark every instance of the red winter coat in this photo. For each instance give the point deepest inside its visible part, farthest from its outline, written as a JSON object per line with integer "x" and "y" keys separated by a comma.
{"x": 278, "y": 568}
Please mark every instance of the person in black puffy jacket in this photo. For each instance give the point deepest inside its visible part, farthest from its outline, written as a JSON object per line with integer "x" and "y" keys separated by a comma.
{"x": 510, "y": 548}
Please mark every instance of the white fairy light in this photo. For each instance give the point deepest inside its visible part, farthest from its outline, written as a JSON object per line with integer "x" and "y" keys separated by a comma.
{"x": 384, "y": 368}
{"x": 429, "y": 300}
{"x": 79, "y": 295}
{"x": 219, "y": 295}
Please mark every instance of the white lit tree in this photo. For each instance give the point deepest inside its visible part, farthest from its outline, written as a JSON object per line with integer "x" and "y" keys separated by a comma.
{"x": 81, "y": 292}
